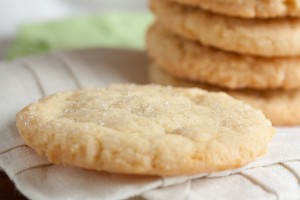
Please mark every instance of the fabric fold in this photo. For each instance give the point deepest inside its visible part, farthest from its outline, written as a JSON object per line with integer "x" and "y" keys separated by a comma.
{"x": 275, "y": 175}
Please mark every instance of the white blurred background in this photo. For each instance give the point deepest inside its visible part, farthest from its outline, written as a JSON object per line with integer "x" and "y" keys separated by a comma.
{"x": 15, "y": 12}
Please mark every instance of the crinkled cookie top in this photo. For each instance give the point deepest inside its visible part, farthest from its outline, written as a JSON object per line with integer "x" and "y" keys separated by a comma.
{"x": 146, "y": 129}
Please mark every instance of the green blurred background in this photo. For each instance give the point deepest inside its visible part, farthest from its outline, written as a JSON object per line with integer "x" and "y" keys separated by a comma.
{"x": 33, "y": 27}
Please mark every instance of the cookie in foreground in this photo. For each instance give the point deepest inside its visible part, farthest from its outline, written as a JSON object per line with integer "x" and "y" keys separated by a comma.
{"x": 146, "y": 130}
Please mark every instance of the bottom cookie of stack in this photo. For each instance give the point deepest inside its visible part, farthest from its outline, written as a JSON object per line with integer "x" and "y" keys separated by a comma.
{"x": 280, "y": 106}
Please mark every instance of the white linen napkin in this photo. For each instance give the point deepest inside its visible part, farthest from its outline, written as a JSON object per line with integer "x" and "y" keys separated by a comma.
{"x": 273, "y": 176}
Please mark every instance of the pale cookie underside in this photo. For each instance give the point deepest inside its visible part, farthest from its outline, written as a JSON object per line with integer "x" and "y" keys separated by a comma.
{"x": 138, "y": 129}
{"x": 281, "y": 107}
{"x": 266, "y": 38}
{"x": 248, "y": 8}
{"x": 191, "y": 60}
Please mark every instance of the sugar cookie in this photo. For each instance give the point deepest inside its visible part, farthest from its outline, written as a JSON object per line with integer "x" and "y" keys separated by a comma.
{"x": 281, "y": 107}
{"x": 266, "y": 38}
{"x": 146, "y": 129}
{"x": 191, "y": 60}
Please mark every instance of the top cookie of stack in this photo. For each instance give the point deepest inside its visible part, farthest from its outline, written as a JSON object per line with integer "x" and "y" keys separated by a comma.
{"x": 248, "y": 8}
{"x": 237, "y": 45}
{"x": 276, "y": 37}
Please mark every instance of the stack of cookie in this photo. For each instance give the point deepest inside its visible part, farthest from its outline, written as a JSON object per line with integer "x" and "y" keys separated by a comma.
{"x": 250, "y": 49}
